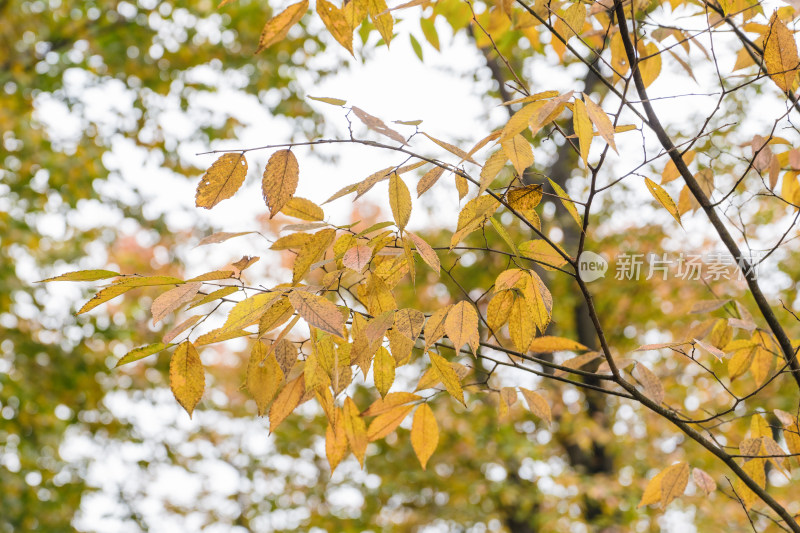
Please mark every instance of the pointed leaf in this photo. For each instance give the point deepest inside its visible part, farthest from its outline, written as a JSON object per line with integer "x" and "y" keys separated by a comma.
{"x": 280, "y": 180}
{"x": 424, "y": 434}
{"x": 222, "y": 180}
{"x": 186, "y": 376}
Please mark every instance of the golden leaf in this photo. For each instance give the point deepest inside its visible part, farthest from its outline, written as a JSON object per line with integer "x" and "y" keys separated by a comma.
{"x": 519, "y": 152}
{"x": 378, "y": 12}
{"x": 142, "y": 352}
{"x": 425, "y": 251}
{"x": 650, "y": 67}
{"x": 335, "y": 442}
{"x": 434, "y": 327}
{"x": 524, "y": 198}
{"x": 383, "y": 367}
{"x": 582, "y": 126}
{"x": 537, "y": 404}
{"x": 663, "y": 198}
{"x": 499, "y": 309}
{"x": 280, "y": 180}
{"x": 278, "y": 27}
{"x": 601, "y": 121}
{"x": 303, "y": 209}
{"x": 264, "y": 376}
{"x": 249, "y": 310}
{"x": 755, "y": 469}
{"x": 311, "y": 252}
{"x": 554, "y": 344}
{"x": 424, "y": 434}
{"x": 521, "y": 325}
{"x": 287, "y": 400}
{"x": 447, "y": 376}
{"x": 567, "y": 202}
{"x": 336, "y": 22}
{"x": 452, "y": 149}
{"x": 355, "y": 429}
{"x": 186, "y": 377}
{"x": 354, "y": 12}
{"x": 285, "y": 355}
{"x": 83, "y": 275}
{"x": 332, "y": 101}
{"x": 387, "y": 422}
{"x": 222, "y": 180}
{"x": 389, "y": 402}
{"x": 461, "y": 325}
{"x": 318, "y": 311}
{"x": 472, "y": 216}
{"x": 399, "y": 200}
{"x": 543, "y": 252}
{"x": 673, "y": 482}
{"x": 102, "y": 297}
{"x": 180, "y": 328}
{"x": 780, "y": 55}
{"x": 491, "y": 169}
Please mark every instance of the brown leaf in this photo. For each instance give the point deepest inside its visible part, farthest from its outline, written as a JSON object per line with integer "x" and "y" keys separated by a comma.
{"x": 318, "y": 311}
{"x": 173, "y": 299}
{"x": 377, "y": 125}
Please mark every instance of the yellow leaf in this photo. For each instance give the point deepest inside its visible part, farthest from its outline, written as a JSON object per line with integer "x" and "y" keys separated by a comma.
{"x": 173, "y": 299}
{"x": 280, "y": 180}
{"x": 601, "y": 121}
{"x": 399, "y": 200}
{"x": 354, "y": 12}
{"x": 524, "y": 198}
{"x": 447, "y": 375}
{"x": 335, "y": 442}
{"x": 278, "y": 27}
{"x": 83, "y": 275}
{"x": 355, "y": 429}
{"x": 318, "y": 311}
{"x": 452, "y": 149}
{"x": 499, "y": 309}
{"x": 222, "y": 180}
{"x": 212, "y": 276}
{"x": 462, "y": 186}
{"x": 383, "y": 367}
{"x": 567, "y": 202}
{"x": 429, "y": 179}
{"x": 574, "y": 18}
{"x": 520, "y": 120}
{"x": 583, "y": 127}
{"x": 461, "y": 325}
{"x": 303, "y": 209}
{"x": 539, "y": 299}
{"x": 663, "y": 198}
{"x": 491, "y": 168}
{"x": 431, "y": 378}
{"x": 387, "y": 422}
{"x": 378, "y": 12}
{"x": 311, "y": 252}
{"x": 142, "y": 352}
{"x": 673, "y": 482}
{"x": 277, "y": 313}
{"x": 102, "y": 297}
{"x": 555, "y": 344}
{"x": 332, "y": 101}
{"x": 537, "y": 404}
{"x": 650, "y": 68}
{"x": 264, "y": 376}
{"x": 377, "y": 125}
{"x": 755, "y": 469}
{"x": 473, "y": 215}
{"x": 425, "y": 251}
{"x": 424, "y": 434}
{"x": 740, "y": 361}
{"x": 287, "y": 400}
{"x": 670, "y": 171}
{"x": 434, "y": 327}
{"x": 285, "y": 354}
{"x": 186, "y": 377}
{"x": 521, "y": 324}
{"x": 389, "y": 402}
{"x": 249, "y": 310}
{"x": 219, "y": 335}
{"x": 519, "y": 152}
{"x": 334, "y": 19}
{"x": 780, "y": 55}
{"x": 543, "y": 252}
